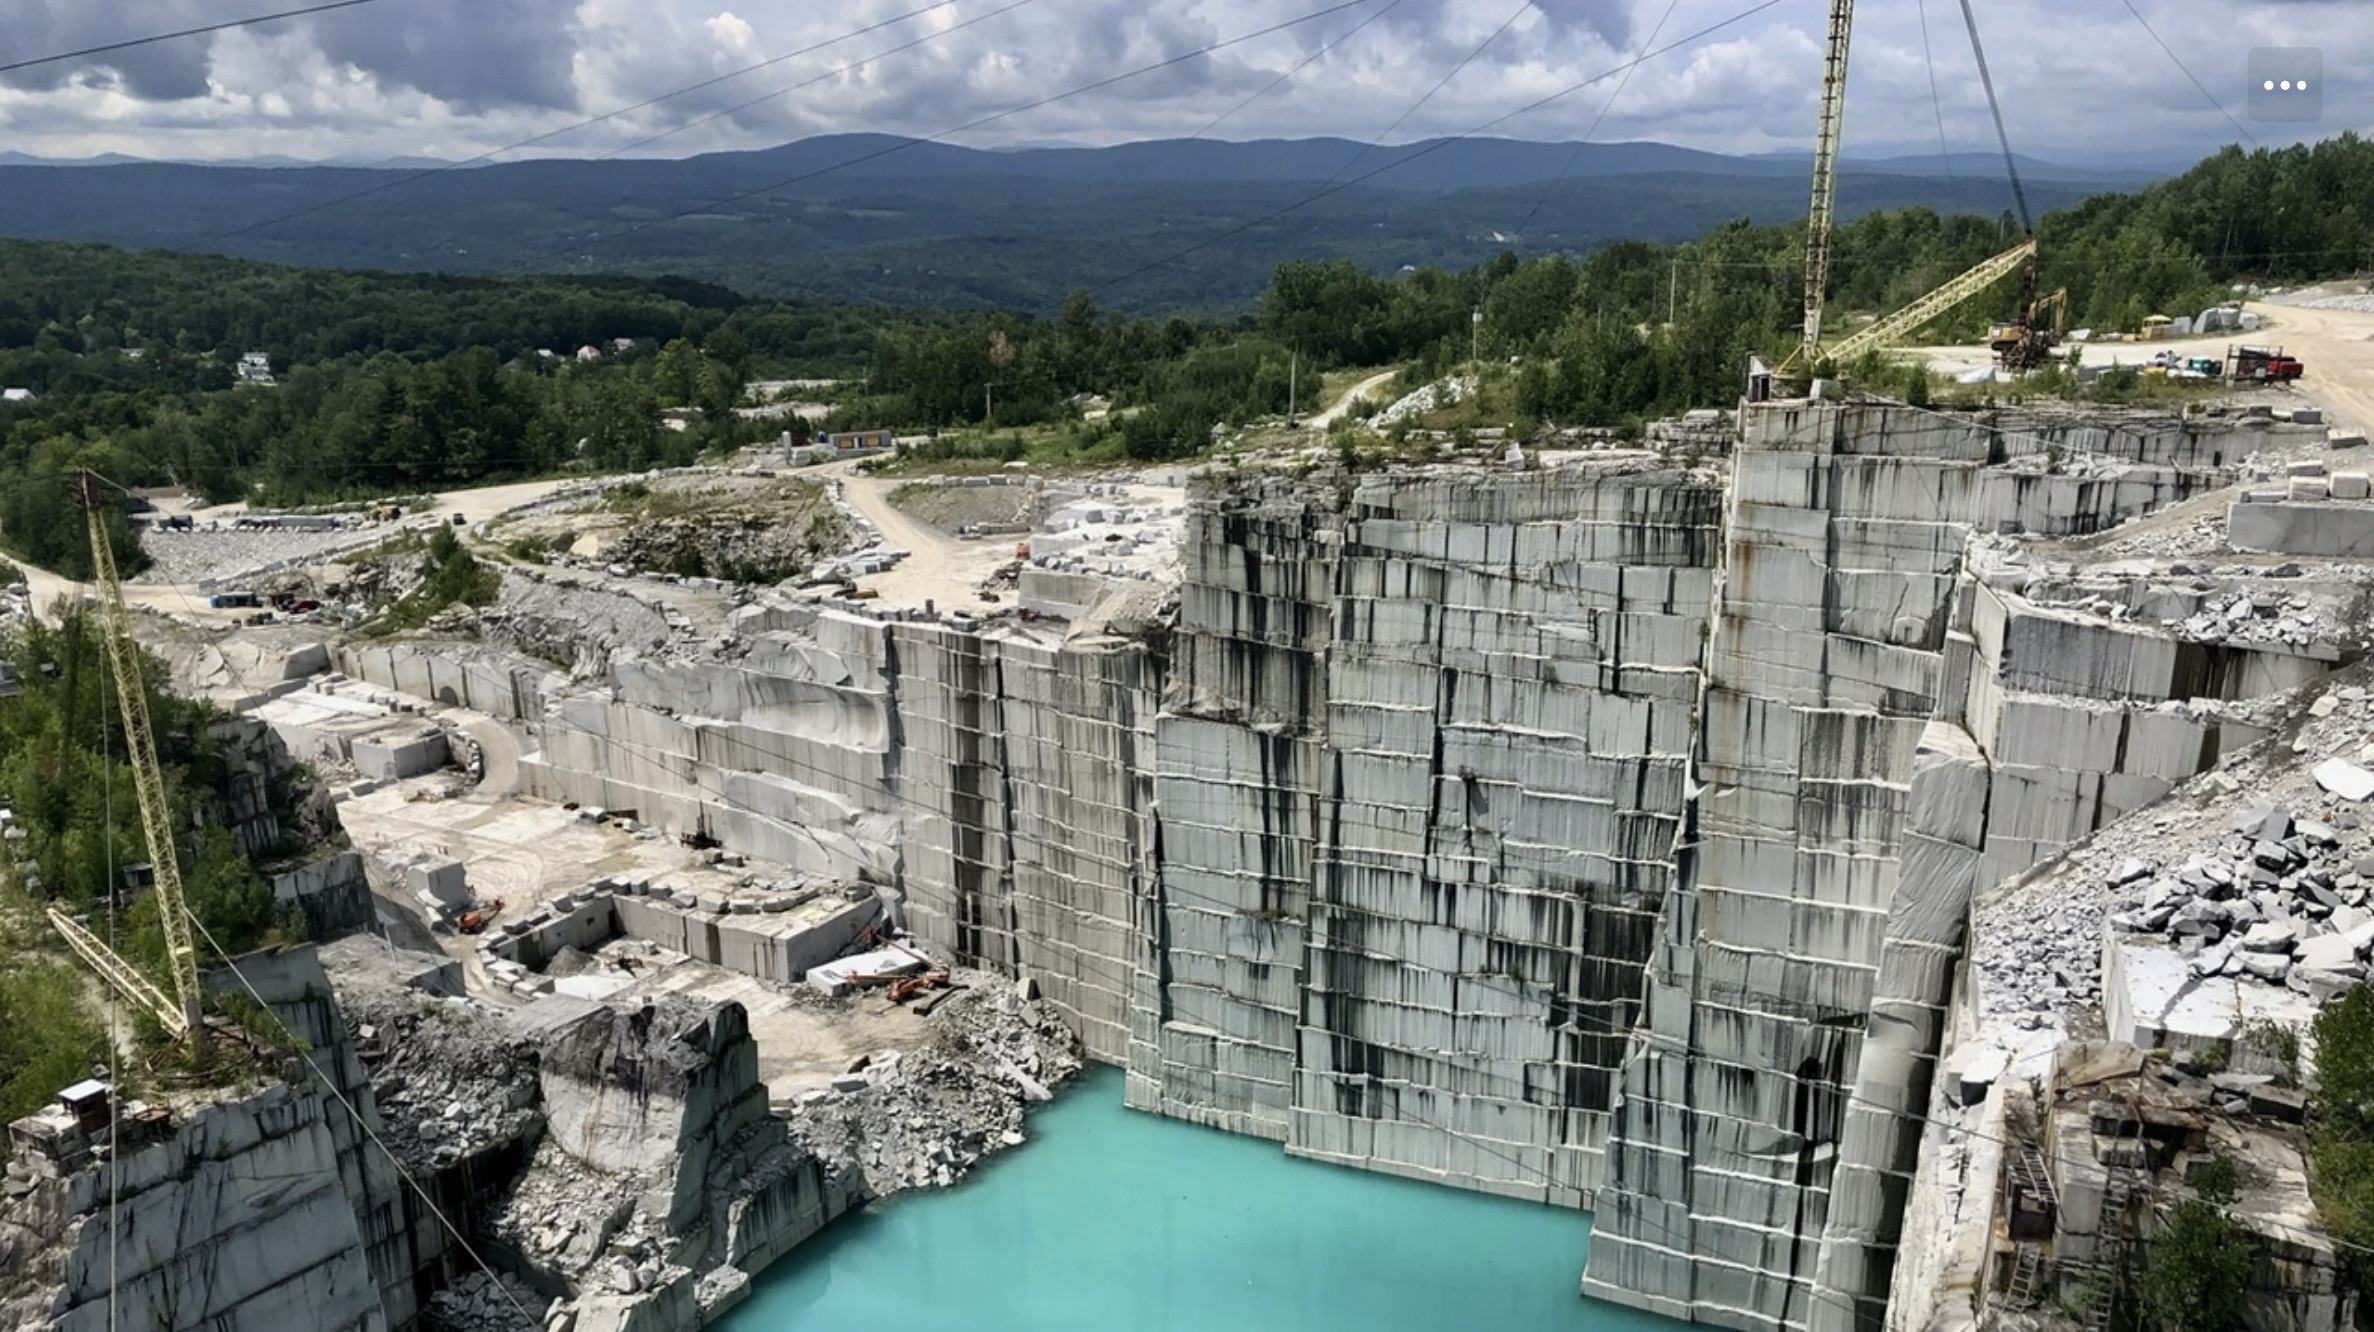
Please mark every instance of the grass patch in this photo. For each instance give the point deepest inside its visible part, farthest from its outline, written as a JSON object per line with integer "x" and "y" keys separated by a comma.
{"x": 449, "y": 575}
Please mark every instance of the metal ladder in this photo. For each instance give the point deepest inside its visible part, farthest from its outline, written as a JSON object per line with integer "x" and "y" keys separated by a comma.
{"x": 2029, "y": 1266}
{"x": 2108, "y": 1264}
{"x": 2027, "y": 1275}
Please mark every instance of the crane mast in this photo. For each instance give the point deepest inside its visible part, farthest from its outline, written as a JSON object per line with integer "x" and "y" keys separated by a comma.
{"x": 1825, "y": 179}
{"x": 147, "y": 779}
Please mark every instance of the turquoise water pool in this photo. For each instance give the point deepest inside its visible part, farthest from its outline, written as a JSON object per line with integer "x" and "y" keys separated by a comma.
{"x": 1115, "y": 1221}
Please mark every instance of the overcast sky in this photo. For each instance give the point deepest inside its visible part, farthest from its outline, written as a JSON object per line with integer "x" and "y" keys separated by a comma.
{"x": 453, "y": 78}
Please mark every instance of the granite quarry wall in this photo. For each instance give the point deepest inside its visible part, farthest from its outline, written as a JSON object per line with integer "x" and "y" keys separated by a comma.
{"x": 1601, "y": 835}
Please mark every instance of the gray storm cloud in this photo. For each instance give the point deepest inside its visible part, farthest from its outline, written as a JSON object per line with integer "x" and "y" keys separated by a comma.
{"x": 165, "y": 72}
{"x": 448, "y": 78}
{"x": 475, "y": 56}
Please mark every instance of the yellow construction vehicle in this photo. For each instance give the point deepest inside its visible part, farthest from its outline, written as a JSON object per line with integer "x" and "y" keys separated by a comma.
{"x": 2024, "y": 343}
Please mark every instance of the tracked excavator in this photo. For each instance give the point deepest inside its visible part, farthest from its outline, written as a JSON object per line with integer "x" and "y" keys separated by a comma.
{"x": 2025, "y": 343}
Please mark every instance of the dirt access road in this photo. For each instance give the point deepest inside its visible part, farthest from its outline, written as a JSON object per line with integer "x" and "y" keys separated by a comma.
{"x": 1341, "y": 405}
{"x": 2337, "y": 347}
{"x": 474, "y": 505}
{"x": 939, "y": 568}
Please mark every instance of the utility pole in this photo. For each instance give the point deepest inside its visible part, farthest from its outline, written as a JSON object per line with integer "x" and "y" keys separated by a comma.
{"x": 1475, "y": 336}
{"x": 1673, "y": 277}
{"x": 1293, "y": 367}
{"x": 987, "y": 413}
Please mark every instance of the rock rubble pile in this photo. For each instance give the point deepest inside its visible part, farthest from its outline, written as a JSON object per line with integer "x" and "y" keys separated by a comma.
{"x": 2283, "y": 898}
{"x": 560, "y": 622}
{"x": 213, "y": 557}
{"x": 451, "y": 1081}
{"x": 2265, "y": 617}
{"x": 2261, "y": 869}
{"x": 743, "y": 549}
{"x": 924, "y": 1118}
{"x": 1441, "y": 393}
{"x": 477, "y": 1302}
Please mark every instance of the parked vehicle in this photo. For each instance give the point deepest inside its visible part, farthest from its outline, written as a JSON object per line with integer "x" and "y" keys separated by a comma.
{"x": 2261, "y": 365}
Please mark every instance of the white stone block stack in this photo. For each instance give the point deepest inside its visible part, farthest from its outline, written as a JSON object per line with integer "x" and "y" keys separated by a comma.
{"x": 1078, "y": 729}
{"x": 1824, "y": 672}
{"x": 1239, "y": 767}
{"x": 1509, "y": 700}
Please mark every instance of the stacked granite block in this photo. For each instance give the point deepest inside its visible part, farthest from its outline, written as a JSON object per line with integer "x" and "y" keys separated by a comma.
{"x": 1510, "y": 688}
{"x": 1239, "y": 762}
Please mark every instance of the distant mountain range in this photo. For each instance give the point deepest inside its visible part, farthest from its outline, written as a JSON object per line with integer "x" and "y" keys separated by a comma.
{"x": 877, "y": 218}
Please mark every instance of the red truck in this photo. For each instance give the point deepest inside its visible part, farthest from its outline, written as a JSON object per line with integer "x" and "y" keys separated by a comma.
{"x": 2261, "y": 365}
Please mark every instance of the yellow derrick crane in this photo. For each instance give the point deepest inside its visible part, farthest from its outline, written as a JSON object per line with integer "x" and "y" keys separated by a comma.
{"x": 1884, "y": 331}
{"x": 179, "y": 1015}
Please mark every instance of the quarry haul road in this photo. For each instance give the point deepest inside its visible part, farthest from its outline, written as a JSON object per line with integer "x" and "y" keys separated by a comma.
{"x": 476, "y": 505}
{"x": 2337, "y": 346}
{"x": 938, "y": 567}
{"x": 1351, "y": 395}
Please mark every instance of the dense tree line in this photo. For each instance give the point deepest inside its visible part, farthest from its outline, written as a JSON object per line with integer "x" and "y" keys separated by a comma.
{"x": 394, "y": 383}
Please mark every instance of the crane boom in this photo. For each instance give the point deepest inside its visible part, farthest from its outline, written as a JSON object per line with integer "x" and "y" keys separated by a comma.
{"x": 1881, "y": 332}
{"x": 118, "y": 973}
{"x": 140, "y": 740}
{"x": 1825, "y": 178}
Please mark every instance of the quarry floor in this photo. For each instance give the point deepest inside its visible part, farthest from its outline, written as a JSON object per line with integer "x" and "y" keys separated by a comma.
{"x": 528, "y": 851}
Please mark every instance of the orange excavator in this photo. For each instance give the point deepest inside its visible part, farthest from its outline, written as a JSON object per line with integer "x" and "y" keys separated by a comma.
{"x": 903, "y": 988}
{"x": 477, "y": 918}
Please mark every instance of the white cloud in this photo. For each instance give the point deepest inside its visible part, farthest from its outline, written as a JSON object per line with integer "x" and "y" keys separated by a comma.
{"x": 455, "y": 79}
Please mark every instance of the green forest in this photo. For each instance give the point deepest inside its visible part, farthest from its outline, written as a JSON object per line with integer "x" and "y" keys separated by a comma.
{"x": 393, "y": 384}
{"x": 64, "y": 778}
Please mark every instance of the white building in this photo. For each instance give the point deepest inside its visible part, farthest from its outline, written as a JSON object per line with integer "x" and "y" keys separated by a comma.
{"x": 255, "y": 368}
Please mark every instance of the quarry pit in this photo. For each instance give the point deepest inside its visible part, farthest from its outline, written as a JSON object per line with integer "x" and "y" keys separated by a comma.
{"x": 1772, "y": 853}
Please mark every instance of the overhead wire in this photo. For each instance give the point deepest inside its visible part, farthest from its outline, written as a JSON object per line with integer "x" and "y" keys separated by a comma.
{"x": 810, "y": 82}
{"x": 1575, "y": 154}
{"x": 1271, "y": 86}
{"x": 1945, "y": 157}
{"x": 199, "y": 31}
{"x": 2198, "y": 86}
{"x": 1428, "y": 96}
{"x": 305, "y": 1052}
{"x": 115, "y": 1035}
{"x": 586, "y": 123}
